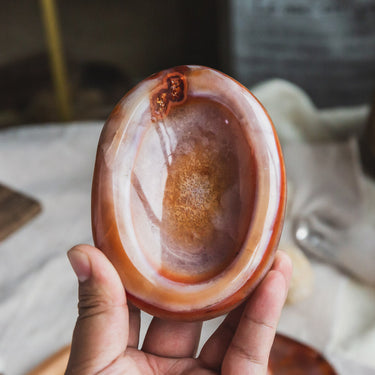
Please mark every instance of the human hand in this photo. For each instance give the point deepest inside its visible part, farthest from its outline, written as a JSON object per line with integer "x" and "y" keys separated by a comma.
{"x": 105, "y": 339}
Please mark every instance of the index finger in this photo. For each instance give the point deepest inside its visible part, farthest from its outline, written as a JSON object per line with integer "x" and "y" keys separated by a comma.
{"x": 249, "y": 349}
{"x": 214, "y": 350}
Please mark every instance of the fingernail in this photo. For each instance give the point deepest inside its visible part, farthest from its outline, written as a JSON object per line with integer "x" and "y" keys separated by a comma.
{"x": 80, "y": 263}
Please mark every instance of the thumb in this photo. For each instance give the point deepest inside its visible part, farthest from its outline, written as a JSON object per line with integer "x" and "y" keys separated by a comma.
{"x": 101, "y": 332}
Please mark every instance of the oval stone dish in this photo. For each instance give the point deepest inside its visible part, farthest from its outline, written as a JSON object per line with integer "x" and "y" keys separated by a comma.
{"x": 188, "y": 193}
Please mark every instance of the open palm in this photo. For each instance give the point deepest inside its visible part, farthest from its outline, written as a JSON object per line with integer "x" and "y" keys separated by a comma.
{"x": 106, "y": 336}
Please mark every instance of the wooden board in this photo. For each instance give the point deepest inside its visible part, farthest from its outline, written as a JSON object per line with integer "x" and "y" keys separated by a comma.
{"x": 54, "y": 365}
{"x": 16, "y": 209}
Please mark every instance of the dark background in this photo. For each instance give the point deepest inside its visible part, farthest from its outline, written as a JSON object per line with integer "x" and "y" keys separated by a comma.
{"x": 326, "y": 47}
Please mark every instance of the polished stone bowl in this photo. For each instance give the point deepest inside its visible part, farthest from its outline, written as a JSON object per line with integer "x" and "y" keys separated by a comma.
{"x": 188, "y": 193}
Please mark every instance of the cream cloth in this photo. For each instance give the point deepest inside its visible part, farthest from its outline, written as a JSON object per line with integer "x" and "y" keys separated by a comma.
{"x": 38, "y": 290}
{"x": 329, "y": 193}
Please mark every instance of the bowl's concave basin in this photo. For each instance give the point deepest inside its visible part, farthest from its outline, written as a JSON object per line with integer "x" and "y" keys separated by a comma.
{"x": 191, "y": 197}
{"x": 188, "y": 193}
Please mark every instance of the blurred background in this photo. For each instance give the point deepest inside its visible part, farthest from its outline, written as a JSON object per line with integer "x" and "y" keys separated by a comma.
{"x": 326, "y": 47}
{"x": 63, "y": 67}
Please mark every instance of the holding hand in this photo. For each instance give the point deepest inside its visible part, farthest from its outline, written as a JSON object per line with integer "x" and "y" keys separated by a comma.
{"x": 105, "y": 339}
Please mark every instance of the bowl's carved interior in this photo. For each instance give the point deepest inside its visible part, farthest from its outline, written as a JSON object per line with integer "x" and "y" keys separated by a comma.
{"x": 197, "y": 221}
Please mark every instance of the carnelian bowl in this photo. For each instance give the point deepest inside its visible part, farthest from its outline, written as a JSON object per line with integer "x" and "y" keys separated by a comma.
{"x": 188, "y": 193}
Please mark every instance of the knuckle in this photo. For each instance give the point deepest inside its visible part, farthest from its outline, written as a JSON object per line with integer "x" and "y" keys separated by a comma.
{"x": 91, "y": 304}
{"x": 260, "y": 323}
{"x": 243, "y": 353}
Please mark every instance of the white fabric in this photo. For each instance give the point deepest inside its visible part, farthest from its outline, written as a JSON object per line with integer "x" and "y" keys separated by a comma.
{"x": 38, "y": 290}
{"x": 339, "y": 317}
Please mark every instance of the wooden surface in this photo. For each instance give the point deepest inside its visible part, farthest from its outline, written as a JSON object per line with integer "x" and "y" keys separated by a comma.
{"x": 15, "y": 210}
{"x": 290, "y": 357}
{"x": 54, "y": 365}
